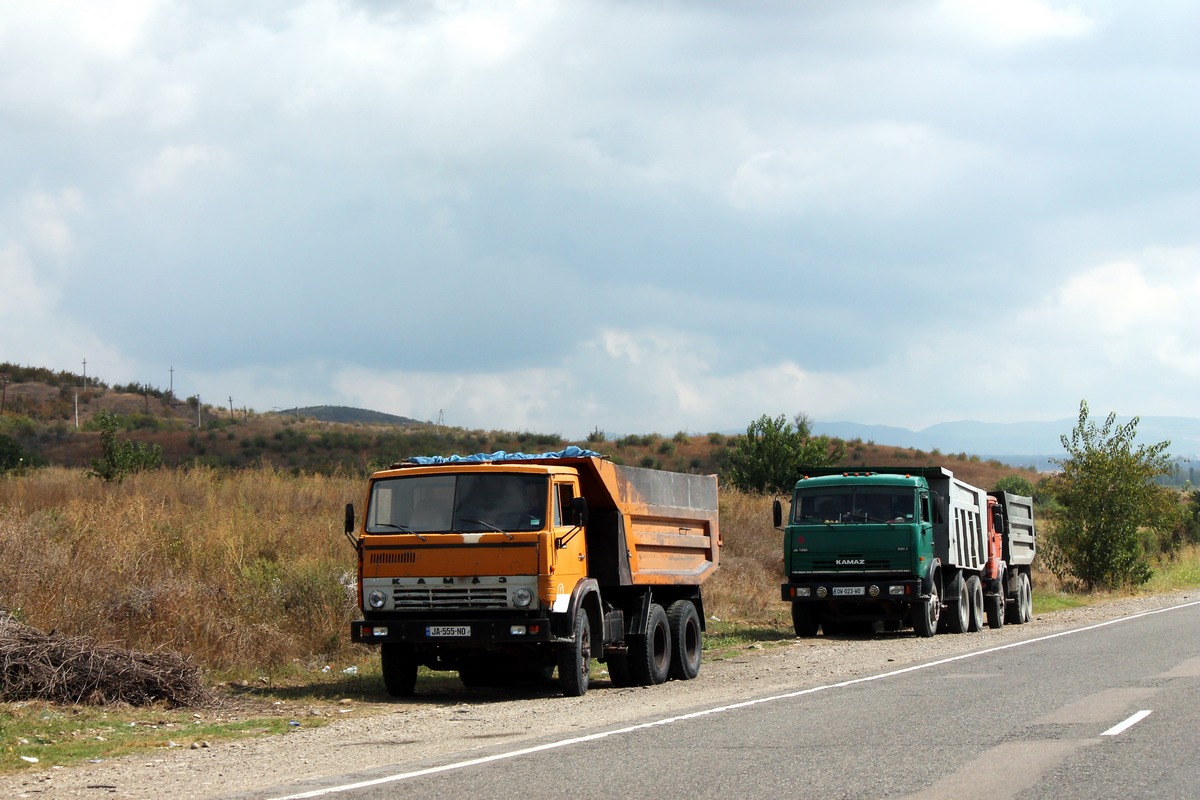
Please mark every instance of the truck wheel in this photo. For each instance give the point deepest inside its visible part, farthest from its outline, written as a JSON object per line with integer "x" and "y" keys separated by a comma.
{"x": 995, "y": 608}
{"x": 619, "y": 673}
{"x": 686, "y": 640}
{"x": 927, "y": 613}
{"x": 1025, "y": 595}
{"x": 804, "y": 622}
{"x": 575, "y": 657}
{"x": 958, "y": 605}
{"x": 485, "y": 677}
{"x": 399, "y": 665}
{"x": 650, "y": 654}
{"x": 975, "y": 590}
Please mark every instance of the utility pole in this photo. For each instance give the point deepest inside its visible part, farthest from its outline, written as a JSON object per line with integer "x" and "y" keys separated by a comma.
{"x": 171, "y": 391}
{"x": 85, "y": 374}
{"x": 3, "y": 391}
{"x": 231, "y": 406}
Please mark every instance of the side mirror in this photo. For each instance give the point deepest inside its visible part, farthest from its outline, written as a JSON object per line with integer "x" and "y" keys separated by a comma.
{"x": 777, "y": 513}
{"x": 349, "y": 525}
{"x": 579, "y": 511}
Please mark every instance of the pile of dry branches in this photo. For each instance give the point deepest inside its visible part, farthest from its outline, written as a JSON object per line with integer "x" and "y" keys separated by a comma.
{"x": 76, "y": 669}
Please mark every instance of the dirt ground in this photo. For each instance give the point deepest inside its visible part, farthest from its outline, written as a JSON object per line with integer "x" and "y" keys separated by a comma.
{"x": 453, "y": 720}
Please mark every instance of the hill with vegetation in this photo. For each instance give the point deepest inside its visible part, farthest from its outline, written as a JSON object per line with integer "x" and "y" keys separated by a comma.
{"x": 50, "y": 418}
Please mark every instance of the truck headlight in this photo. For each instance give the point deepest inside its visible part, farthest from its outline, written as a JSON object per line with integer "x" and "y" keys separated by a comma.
{"x": 376, "y": 598}
{"x": 522, "y": 596}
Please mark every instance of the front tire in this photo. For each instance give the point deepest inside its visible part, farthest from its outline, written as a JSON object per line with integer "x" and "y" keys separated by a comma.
{"x": 575, "y": 658}
{"x": 804, "y": 621}
{"x": 686, "y": 640}
{"x": 926, "y": 613}
{"x": 650, "y": 653}
{"x": 399, "y": 666}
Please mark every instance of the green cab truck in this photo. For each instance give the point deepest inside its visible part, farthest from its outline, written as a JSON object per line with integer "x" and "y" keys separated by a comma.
{"x": 904, "y": 546}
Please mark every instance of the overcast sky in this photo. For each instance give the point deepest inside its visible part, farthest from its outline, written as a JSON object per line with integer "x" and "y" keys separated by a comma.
{"x": 631, "y": 216}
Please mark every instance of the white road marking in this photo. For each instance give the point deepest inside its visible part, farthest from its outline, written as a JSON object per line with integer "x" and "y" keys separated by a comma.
{"x": 561, "y": 743}
{"x": 1129, "y": 723}
{"x": 1099, "y": 707}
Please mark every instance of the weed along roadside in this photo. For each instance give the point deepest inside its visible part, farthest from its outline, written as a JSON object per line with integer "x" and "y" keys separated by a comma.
{"x": 509, "y": 567}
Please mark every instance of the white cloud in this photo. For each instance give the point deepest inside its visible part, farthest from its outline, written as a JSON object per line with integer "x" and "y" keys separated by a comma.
{"x": 876, "y": 167}
{"x": 45, "y": 219}
{"x": 621, "y": 381}
{"x": 1010, "y": 22}
{"x": 35, "y": 331}
{"x": 172, "y": 164}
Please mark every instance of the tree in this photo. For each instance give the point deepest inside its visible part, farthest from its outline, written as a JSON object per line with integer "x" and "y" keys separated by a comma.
{"x": 11, "y": 455}
{"x": 1014, "y": 484}
{"x": 1108, "y": 494}
{"x": 773, "y": 453}
{"x": 120, "y": 457}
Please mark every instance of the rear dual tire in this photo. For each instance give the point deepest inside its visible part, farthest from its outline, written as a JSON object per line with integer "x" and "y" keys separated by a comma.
{"x": 650, "y": 653}
{"x": 686, "y": 640}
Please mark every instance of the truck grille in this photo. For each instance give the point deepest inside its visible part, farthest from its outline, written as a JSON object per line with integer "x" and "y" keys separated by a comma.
{"x": 864, "y": 565}
{"x": 421, "y": 597}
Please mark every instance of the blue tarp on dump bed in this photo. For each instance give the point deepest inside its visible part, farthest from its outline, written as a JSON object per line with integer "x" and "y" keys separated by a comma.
{"x": 500, "y": 455}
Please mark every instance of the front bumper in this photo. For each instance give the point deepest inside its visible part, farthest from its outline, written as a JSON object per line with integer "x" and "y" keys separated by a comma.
{"x": 462, "y": 631}
{"x": 849, "y": 590}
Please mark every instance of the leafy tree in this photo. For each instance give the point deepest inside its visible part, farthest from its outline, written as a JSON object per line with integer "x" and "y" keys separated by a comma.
{"x": 12, "y": 457}
{"x": 773, "y": 453}
{"x": 1191, "y": 522}
{"x": 1014, "y": 484}
{"x": 1107, "y": 492}
{"x": 120, "y": 457}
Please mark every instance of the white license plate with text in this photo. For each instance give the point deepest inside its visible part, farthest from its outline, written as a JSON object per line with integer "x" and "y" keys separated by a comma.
{"x": 448, "y": 630}
{"x": 847, "y": 590}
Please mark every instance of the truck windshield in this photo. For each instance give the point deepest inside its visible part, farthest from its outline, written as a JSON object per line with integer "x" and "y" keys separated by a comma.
{"x": 461, "y": 502}
{"x": 853, "y": 505}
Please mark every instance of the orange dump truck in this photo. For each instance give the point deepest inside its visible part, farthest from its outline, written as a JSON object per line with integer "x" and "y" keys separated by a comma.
{"x": 506, "y": 567}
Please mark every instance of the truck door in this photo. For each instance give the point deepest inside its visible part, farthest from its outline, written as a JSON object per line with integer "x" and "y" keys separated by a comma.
{"x": 569, "y": 562}
{"x": 923, "y": 550}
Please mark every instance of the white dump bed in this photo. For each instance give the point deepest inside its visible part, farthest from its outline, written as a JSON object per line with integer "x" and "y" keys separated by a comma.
{"x": 960, "y": 529}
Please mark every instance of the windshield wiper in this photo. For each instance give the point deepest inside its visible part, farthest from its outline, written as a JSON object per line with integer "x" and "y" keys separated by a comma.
{"x": 401, "y": 528}
{"x": 488, "y": 525}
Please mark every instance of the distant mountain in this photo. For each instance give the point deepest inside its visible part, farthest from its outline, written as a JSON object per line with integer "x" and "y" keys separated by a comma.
{"x": 350, "y": 415}
{"x": 1015, "y": 442}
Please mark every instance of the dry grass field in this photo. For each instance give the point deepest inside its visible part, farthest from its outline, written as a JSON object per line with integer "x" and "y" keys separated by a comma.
{"x": 248, "y": 569}
{"x": 244, "y": 569}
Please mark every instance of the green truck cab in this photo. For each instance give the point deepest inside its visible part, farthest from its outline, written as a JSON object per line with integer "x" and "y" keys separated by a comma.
{"x": 862, "y": 547}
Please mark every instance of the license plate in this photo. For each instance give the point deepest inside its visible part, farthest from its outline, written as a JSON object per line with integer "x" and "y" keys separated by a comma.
{"x": 448, "y": 630}
{"x": 847, "y": 590}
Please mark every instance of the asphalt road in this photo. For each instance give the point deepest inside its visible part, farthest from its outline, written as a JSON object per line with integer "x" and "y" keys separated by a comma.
{"x": 1106, "y": 711}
